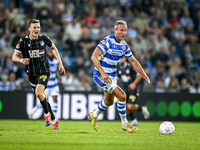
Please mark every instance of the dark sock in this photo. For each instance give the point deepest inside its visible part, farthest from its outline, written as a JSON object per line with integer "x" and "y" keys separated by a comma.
{"x": 130, "y": 116}
{"x": 45, "y": 106}
{"x": 139, "y": 109}
{"x": 50, "y": 110}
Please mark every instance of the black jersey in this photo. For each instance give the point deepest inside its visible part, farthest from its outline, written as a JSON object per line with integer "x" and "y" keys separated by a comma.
{"x": 35, "y": 49}
{"x": 127, "y": 73}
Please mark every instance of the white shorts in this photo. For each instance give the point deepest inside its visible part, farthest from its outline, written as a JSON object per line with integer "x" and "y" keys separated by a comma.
{"x": 108, "y": 87}
{"x": 52, "y": 91}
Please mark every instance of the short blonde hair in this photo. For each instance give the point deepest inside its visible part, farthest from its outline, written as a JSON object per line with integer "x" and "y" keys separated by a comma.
{"x": 118, "y": 22}
{"x": 33, "y": 21}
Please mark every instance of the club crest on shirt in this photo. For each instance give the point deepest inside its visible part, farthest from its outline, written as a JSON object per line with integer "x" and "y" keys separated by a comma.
{"x": 42, "y": 43}
{"x": 123, "y": 47}
{"x": 104, "y": 42}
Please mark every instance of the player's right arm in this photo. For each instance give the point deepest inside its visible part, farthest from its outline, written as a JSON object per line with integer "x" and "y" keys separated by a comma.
{"x": 97, "y": 52}
{"x": 16, "y": 58}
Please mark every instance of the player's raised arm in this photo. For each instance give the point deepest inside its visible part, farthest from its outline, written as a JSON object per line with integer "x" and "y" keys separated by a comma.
{"x": 56, "y": 54}
{"x": 97, "y": 52}
{"x": 138, "y": 68}
{"x": 16, "y": 58}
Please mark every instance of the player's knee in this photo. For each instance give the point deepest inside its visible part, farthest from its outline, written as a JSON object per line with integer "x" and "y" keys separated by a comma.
{"x": 39, "y": 94}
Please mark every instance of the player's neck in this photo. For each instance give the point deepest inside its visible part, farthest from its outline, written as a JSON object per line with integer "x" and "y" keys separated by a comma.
{"x": 33, "y": 37}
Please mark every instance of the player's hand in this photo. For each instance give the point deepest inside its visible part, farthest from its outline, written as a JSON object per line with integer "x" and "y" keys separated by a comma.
{"x": 61, "y": 69}
{"x": 106, "y": 78}
{"x": 132, "y": 86}
{"x": 25, "y": 61}
{"x": 147, "y": 78}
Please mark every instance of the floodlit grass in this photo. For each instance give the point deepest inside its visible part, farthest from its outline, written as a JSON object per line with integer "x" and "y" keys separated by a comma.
{"x": 75, "y": 135}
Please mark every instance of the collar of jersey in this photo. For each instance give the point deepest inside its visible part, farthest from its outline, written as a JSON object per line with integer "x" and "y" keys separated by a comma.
{"x": 115, "y": 38}
{"x": 32, "y": 39}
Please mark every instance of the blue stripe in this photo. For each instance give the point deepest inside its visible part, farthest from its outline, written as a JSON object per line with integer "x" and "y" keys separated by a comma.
{"x": 98, "y": 81}
{"x": 51, "y": 86}
{"x": 103, "y": 106}
{"x": 100, "y": 48}
{"x": 120, "y": 107}
{"x": 52, "y": 79}
{"x": 114, "y": 74}
{"x": 122, "y": 112}
{"x": 100, "y": 108}
{"x": 53, "y": 72}
{"x": 113, "y": 57}
{"x": 104, "y": 64}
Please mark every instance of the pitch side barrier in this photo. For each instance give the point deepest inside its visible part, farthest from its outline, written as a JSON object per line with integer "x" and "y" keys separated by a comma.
{"x": 77, "y": 105}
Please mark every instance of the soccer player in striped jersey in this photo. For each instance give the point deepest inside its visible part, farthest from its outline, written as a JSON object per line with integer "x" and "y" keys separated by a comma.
{"x": 52, "y": 86}
{"x": 33, "y": 50}
{"x": 106, "y": 58}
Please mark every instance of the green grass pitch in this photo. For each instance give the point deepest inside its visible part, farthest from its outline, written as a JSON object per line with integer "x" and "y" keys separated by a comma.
{"x": 75, "y": 135}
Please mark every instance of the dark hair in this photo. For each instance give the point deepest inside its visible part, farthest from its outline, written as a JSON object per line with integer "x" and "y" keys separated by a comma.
{"x": 33, "y": 21}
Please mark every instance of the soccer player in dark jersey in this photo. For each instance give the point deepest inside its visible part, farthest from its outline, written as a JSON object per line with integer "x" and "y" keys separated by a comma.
{"x": 33, "y": 49}
{"x": 130, "y": 78}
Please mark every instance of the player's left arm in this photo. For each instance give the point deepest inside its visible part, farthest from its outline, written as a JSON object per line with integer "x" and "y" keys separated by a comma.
{"x": 138, "y": 68}
{"x": 133, "y": 85}
{"x": 56, "y": 54}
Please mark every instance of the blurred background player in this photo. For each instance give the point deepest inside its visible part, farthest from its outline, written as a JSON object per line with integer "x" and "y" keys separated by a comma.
{"x": 130, "y": 80}
{"x": 52, "y": 88}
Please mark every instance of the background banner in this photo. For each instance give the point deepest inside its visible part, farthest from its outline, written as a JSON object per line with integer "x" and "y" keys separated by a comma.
{"x": 77, "y": 105}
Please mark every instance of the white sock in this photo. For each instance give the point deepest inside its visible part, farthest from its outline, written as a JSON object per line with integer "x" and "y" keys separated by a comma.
{"x": 121, "y": 107}
{"x": 55, "y": 108}
{"x": 101, "y": 108}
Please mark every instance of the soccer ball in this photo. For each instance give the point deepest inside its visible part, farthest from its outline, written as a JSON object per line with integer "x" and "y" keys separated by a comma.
{"x": 167, "y": 127}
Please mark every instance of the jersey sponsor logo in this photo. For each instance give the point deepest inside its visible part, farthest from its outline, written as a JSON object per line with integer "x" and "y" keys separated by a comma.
{"x": 17, "y": 46}
{"x": 43, "y": 77}
{"x": 36, "y": 53}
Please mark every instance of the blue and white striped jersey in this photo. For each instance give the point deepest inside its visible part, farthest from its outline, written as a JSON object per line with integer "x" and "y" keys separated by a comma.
{"x": 112, "y": 53}
{"x": 53, "y": 68}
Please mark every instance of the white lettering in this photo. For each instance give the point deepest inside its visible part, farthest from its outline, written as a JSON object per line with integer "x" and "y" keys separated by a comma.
{"x": 66, "y": 104}
{"x": 78, "y": 106}
{"x": 93, "y": 101}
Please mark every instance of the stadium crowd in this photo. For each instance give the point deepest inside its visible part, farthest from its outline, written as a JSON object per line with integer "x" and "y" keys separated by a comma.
{"x": 163, "y": 36}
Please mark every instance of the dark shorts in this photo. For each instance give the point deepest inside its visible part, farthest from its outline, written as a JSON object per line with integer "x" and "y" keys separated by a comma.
{"x": 131, "y": 96}
{"x": 40, "y": 79}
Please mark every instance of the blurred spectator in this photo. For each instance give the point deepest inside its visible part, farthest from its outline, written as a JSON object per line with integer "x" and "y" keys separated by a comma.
{"x": 159, "y": 87}
{"x": 177, "y": 32}
{"x": 173, "y": 18}
{"x": 25, "y": 85}
{"x": 86, "y": 45}
{"x": 173, "y": 86}
{"x": 79, "y": 8}
{"x": 132, "y": 30}
{"x": 95, "y": 31}
{"x": 142, "y": 21}
{"x": 155, "y": 29}
{"x": 4, "y": 84}
{"x": 72, "y": 35}
{"x": 12, "y": 82}
{"x": 196, "y": 21}
{"x": 7, "y": 50}
{"x": 161, "y": 42}
{"x": 184, "y": 86}
{"x": 186, "y": 19}
{"x": 69, "y": 81}
{"x": 139, "y": 45}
